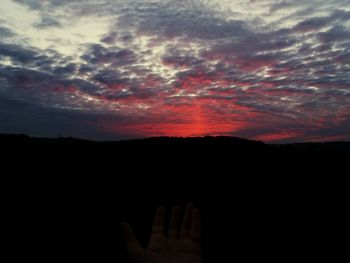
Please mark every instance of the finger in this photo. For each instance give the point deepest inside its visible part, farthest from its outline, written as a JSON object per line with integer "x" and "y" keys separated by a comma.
{"x": 195, "y": 234}
{"x": 186, "y": 224}
{"x": 132, "y": 244}
{"x": 158, "y": 225}
{"x": 174, "y": 223}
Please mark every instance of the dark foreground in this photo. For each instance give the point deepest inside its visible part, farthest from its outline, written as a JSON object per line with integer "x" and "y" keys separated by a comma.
{"x": 63, "y": 198}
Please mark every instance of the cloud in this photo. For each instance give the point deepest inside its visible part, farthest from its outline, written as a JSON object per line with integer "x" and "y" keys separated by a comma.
{"x": 46, "y": 22}
{"x": 336, "y": 34}
{"x": 110, "y": 38}
{"x": 121, "y": 69}
{"x": 32, "y": 4}
{"x": 300, "y": 5}
{"x": 312, "y": 24}
{"x": 5, "y": 32}
{"x": 17, "y": 53}
{"x": 97, "y": 54}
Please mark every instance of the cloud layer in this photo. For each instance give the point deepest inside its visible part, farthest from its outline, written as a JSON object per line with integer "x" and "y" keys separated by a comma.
{"x": 267, "y": 70}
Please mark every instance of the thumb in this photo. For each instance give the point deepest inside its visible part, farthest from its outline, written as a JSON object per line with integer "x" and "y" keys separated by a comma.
{"x": 132, "y": 244}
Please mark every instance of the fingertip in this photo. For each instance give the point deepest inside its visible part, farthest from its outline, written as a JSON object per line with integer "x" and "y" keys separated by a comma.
{"x": 176, "y": 209}
{"x": 160, "y": 211}
{"x": 189, "y": 207}
{"x": 126, "y": 228}
{"x": 123, "y": 225}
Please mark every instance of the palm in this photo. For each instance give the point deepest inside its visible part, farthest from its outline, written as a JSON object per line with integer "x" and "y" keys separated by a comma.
{"x": 173, "y": 248}
{"x": 172, "y": 251}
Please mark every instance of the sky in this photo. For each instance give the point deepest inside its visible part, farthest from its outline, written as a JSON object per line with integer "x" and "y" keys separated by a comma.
{"x": 270, "y": 70}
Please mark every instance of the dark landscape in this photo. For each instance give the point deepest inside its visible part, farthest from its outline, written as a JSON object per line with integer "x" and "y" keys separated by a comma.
{"x": 67, "y": 196}
{"x": 205, "y": 146}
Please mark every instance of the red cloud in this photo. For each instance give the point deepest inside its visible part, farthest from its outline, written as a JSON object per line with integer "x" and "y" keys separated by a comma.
{"x": 274, "y": 137}
{"x": 64, "y": 89}
{"x": 202, "y": 117}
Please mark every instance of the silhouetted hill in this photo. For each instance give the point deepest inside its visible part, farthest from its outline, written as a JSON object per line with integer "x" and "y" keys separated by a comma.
{"x": 159, "y": 142}
{"x": 206, "y": 147}
{"x": 64, "y": 198}
{"x": 154, "y": 156}
{"x": 179, "y": 148}
{"x": 315, "y": 148}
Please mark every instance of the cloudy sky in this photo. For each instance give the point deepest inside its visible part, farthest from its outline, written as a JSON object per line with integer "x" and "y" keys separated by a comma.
{"x": 272, "y": 70}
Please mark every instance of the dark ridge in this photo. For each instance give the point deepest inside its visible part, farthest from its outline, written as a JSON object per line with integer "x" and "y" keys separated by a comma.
{"x": 169, "y": 143}
{"x": 63, "y": 198}
{"x": 155, "y": 144}
{"x": 315, "y": 147}
{"x": 201, "y": 154}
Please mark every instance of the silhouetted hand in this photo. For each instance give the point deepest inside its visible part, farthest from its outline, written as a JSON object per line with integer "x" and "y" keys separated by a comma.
{"x": 175, "y": 247}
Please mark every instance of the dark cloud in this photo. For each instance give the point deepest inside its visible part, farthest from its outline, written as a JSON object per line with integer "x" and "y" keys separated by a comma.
{"x": 55, "y": 122}
{"x": 281, "y": 5}
{"x": 46, "y": 22}
{"x": 32, "y": 4}
{"x": 181, "y": 61}
{"x": 109, "y": 77}
{"x": 110, "y": 38}
{"x": 98, "y": 54}
{"x": 171, "y": 20}
{"x": 337, "y": 33}
{"x": 5, "y": 32}
{"x": 201, "y": 28}
{"x": 66, "y": 70}
{"x": 19, "y": 77}
{"x": 17, "y": 53}
{"x": 46, "y": 62}
{"x": 292, "y": 89}
{"x": 86, "y": 69}
{"x": 312, "y": 24}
